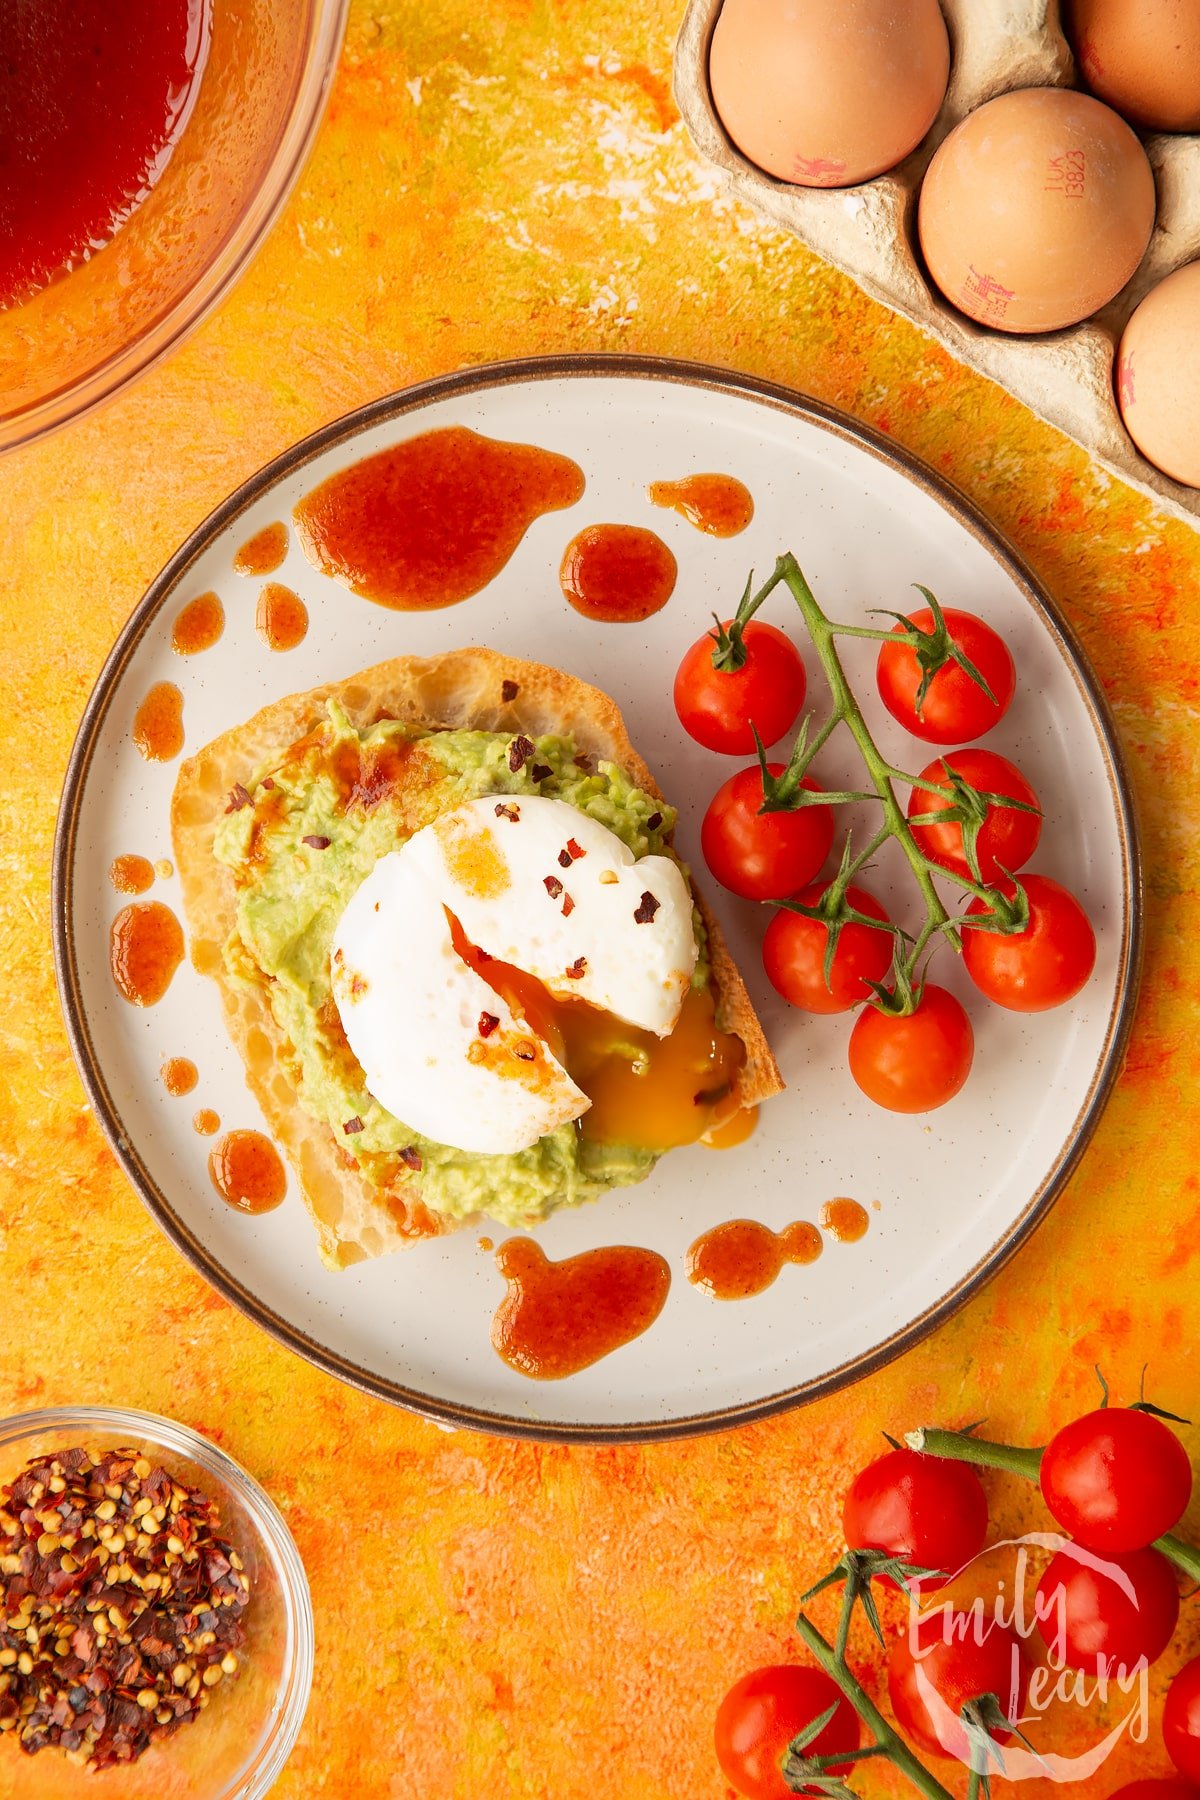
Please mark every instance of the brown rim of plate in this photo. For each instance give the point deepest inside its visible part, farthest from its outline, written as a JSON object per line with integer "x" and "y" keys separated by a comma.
{"x": 398, "y": 406}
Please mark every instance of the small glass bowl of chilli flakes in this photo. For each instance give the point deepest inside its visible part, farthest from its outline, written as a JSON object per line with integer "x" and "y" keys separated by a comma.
{"x": 156, "y": 1631}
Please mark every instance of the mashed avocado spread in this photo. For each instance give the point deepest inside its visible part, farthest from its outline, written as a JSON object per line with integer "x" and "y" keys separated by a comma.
{"x": 299, "y": 841}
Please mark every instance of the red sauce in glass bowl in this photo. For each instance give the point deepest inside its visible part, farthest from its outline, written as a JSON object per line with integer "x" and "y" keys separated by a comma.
{"x": 93, "y": 95}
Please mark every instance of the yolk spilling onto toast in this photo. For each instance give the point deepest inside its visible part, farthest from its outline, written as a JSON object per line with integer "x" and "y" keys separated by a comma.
{"x": 647, "y": 1092}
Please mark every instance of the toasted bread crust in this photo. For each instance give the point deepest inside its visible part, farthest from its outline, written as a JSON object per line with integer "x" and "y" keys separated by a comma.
{"x": 459, "y": 689}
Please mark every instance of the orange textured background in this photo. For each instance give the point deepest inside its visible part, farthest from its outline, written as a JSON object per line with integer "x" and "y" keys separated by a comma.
{"x": 499, "y": 177}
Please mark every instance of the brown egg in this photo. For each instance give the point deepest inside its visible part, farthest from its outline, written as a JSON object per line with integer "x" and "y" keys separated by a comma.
{"x": 827, "y": 95}
{"x": 1142, "y": 56}
{"x": 1036, "y": 210}
{"x": 1158, "y": 375}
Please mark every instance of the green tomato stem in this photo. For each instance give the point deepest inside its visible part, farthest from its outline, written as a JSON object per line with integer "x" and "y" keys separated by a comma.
{"x": 887, "y": 1740}
{"x": 961, "y": 1446}
{"x": 847, "y": 709}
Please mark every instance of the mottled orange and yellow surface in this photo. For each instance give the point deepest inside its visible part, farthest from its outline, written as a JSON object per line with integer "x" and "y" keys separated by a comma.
{"x": 500, "y": 177}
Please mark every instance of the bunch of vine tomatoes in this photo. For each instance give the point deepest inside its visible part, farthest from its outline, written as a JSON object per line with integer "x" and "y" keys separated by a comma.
{"x": 749, "y": 678}
{"x": 1115, "y": 1481}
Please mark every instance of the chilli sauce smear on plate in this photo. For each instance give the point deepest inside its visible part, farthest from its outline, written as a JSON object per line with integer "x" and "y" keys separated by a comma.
{"x": 617, "y": 574}
{"x": 741, "y": 1258}
{"x": 93, "y": 96}
{"x": 430, "y": 521}
{"x": 281, "y": 617}
{"x": 718, "y": 505}
{"x": 557, "y": 1318}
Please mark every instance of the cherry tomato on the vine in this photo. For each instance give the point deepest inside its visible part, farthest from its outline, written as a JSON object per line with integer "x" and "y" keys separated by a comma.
{"x": 943, "y": 1660}
{"x": 913, "y": 1064}
{"x": 794, "y": 954}
{"x": 955, "y": 709}
{"x": 1116, "y": 1479}
{"x": 1042, "y": 966}
{"x": 1165, "y": 1789}
{"x": 718, "y": 706}
{"x": 1007, "y": 837}
{"x": 1087, "y": 1619}
{"x": 1181, "y": 1720}
{"x": 923, "y": 1509}
{"x": 763, "y": 856}
{"x": 764, "y": 1711}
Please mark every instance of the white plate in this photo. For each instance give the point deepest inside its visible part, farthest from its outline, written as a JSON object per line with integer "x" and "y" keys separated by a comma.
{"x": 958, "y": 1190}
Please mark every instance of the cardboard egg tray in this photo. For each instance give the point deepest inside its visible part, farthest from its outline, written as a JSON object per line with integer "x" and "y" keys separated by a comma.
{"x": 870, "y": 231}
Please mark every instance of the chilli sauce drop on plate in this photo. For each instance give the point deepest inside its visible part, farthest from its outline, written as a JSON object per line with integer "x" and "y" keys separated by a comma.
{"x": 179, "y": 1075}
{"x": 617, "y": 574}
{"x": 158, "y": 723}
{"x": 93, "y": 96}
{"x": 432, "y": 520}
{"x": 198, "y": 626}
{"x": 741, "y": 1258}
{"x": 558, "y": 1318}
{"x": 247, "y": 1172}
{"x": 719, "y": 505}
{"x": 264, "y": 552}
{"x": 145, "y": 947}
{"x": 845, "y": 1220}
{"x": 281, "y": 617}
{"x": 131, "y": 874}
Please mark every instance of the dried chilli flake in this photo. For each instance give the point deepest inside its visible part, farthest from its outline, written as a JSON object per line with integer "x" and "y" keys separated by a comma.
{"x": 511, "y": 813}
{"x": 120, "y": 1605}
{"x": 654, "y": 821}
{"x": 239, "y": 797}
{"x": 568, "y": 906}
{"x": 353, "y": 1126}
{"x": 410, "y": 1156}
{"x": 519, "y": 753}
{"x": 578, "y": 969}
{"x": 317, "y": 843}
{"x": 509, "y": 690}
{"x": 541, "y": 772}
{"x": 646, "y": 909}
{"x": 552, "y": 885}
{"x": 487, "y": 1024}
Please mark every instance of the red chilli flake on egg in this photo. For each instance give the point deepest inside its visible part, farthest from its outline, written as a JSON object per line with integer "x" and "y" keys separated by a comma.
{"x": 553, "y": 886}
{"x": 578, "y": 969}
{"x": 568, "y": 907}
{"x": 487, "y": 1024}
{"x": 647, "y": 907}
{"x": 512, "y": 813}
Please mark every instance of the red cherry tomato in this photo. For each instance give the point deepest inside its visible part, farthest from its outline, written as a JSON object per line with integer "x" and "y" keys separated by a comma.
{"x": 794, "y": 954}
{"x": 763, "y": 856}
{"x": 718, "y": 706}
{"x": 1087, "y": 1619}
{"x": 1166, "y": 1789}
{"x": 1042, "y": 966}
{"x": 1007, "y": 838}
{"x": 764, "y": 1711}
{"x": 955, "y": 709}
{"x": 913, "y": 1064}
{"x": 1181, "y": 1720}
{"x": 943, "y": 1660}
{"x": 920, "y": 1508}
{"x": 1116, "y": 1479}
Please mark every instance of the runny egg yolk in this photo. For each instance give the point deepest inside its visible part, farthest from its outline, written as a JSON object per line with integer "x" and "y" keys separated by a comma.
{"x": 647, "y": 1092}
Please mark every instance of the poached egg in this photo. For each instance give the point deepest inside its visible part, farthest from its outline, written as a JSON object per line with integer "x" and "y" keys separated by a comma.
{"x": 534, "y": 883}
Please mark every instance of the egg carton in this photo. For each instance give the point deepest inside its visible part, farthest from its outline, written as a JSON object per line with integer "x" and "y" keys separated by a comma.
{"x": 870, "y": 231}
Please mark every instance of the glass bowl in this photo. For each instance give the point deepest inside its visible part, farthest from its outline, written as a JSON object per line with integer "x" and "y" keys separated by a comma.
{"x": 260, "y": 99}
{"x": 237, "y": 1747}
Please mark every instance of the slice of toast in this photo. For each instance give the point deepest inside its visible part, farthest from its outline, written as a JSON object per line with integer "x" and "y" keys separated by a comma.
{"x": 476, "y": 689}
